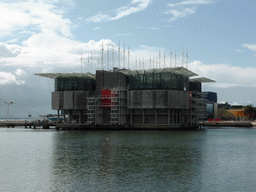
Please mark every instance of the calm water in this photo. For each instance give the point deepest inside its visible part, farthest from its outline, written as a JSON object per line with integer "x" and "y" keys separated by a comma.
{"x": 202, "y": 160}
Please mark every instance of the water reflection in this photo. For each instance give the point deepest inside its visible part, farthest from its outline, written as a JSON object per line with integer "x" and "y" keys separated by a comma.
{"x": 130, "y": 161}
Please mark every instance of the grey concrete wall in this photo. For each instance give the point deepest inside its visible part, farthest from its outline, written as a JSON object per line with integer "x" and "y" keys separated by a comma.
{"x": 137, "y": 99}
{"x": 57, "y": 100}
{"x": 178, "y": 99}
{"x": 68, "y": 100}
{"x": 161, "y": 99}
{"x": 99, "y": 81}
{"x": 80, "y": 101}
{"x": 110, "y": 80}
{"x": 149, "y": 98}
{"x": 144, "y": 99}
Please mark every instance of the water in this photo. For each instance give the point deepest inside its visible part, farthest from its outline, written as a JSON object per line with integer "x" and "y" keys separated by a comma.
{"x": 202, "y": 160}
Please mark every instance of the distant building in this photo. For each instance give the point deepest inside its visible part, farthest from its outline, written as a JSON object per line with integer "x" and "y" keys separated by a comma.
{"x": 211, "y": 105}
{"x": 139, "y": 98}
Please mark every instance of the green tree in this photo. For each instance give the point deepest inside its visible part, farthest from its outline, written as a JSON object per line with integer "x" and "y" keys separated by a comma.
{"x": 224, "y": 114}
{"x": 250, "y": 111}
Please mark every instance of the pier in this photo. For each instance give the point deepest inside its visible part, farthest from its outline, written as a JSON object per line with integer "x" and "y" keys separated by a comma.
{"x": 26, "y": 124}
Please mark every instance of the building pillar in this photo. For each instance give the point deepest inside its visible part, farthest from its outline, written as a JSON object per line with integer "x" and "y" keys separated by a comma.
{"x": 169, "y": 116}
{"x": 58, "y": 115}
{"x": 173, "y": 116}
{"x": 155, "y": 116}
{"x": 143, "y": 117}
{"x": 69, "y": 112}
{"x": 80, "y": 116}
{"x": 131, "y": 118}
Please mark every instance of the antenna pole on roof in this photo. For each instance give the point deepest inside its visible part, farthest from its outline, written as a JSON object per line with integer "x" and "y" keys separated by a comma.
{"x": 102, "y": 56}
{"x": 149, "y": 61}
{"x": 139, "y": 64}
{"x": 182, "y": 56}
{"x": 88, "y": 64}
{"x": 143, "y": 63}
{"x": 108, "y": 58}
{"x": 136, "y": 63}
{"x": 164, "y": 58}
{"x": 112, "y": 56}
{"x": 159, "y": 59}
{"x": 119, "y": 55}
{"x": 81, "y": 62}
{"x": 98, "y": 61}
{"x": 124, "y": 56}
{"x": 128, "y": 57}
{"x": 187, "y": 58}
{"x": 175, "y": 57}
{"x": 170, "y": 57}
{"x": 91, "y": 61}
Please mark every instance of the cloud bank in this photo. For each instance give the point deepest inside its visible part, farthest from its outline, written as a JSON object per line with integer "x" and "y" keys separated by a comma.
{"x": 185, "y": 8}
{"x": 133, "y": 7}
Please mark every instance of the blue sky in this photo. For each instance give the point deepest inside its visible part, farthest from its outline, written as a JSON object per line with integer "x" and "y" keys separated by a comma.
{"x": 49, "y": 35}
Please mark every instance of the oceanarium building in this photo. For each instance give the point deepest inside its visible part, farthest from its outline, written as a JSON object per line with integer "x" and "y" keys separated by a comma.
{"x": 160, "y": 98}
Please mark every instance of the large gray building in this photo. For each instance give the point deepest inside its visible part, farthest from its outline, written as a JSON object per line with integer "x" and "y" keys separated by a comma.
{"x": 167, "y": 97}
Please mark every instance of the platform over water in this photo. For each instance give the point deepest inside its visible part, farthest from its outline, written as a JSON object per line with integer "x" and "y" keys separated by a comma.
{"x": 229, "y": 123}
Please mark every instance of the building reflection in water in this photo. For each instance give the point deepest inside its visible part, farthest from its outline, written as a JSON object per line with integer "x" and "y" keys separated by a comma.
{"x": 127, "y": 160}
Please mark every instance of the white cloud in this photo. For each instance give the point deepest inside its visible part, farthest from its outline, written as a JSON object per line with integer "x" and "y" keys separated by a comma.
{"x": 33, "y": 15}
{"x": 239, "y": 51}
{"x": 9, "y": 50}
{"x": 124, "y": 34}
{"x": 20, "y": 72}
{"x": 185, "y": 8}
{"x": 9, "y": 78}
{"x": 252, "y": 47}
{"x": 225, "y": 75}
{"x": 195, "y": 2}
{"x": 96, "y": 28}
{"x": 133, "y": 7}
{"x": 181, "y": 13}
{"x": 154, "y": 28}
{"x": 50, "y": 49}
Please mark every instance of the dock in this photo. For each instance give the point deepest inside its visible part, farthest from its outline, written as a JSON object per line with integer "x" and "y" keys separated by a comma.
{"x": 95, "y": 127}
{"x": 228, "y": 123}
{"x": 26, "y": 124}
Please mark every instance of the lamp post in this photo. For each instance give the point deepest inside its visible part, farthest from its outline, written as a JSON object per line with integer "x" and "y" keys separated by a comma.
{"x": 8, "y": 103}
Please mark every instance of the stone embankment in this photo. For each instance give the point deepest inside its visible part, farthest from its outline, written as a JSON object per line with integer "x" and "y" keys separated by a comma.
{"x": 229, "y": 123}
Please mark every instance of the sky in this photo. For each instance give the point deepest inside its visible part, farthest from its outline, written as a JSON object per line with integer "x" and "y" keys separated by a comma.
{"x": 213, "y": 38}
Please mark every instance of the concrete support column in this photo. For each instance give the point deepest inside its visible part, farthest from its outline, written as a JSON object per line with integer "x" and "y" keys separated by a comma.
{"x": 176, "y": 115}
{"x": 69, "y": 112}
{"x": 182, "y": 116}
{"x": 80, "y": 116}
{"x": 169, "y": 116}
{"x": 156, "y": 116}
{"x": 58, "y": 115}
{"x": 131, "y": 118}
{"x": 173, "y": 116}
{"x": 143, "y": 117}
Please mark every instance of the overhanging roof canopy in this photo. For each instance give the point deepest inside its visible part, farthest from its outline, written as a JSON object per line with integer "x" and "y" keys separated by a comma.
{"x": 202, "y": 80}
{"x": 177, "y": 70}
{"x": 67, "y": 75}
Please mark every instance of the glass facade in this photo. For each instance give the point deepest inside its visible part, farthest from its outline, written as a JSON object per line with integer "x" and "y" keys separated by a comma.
{"x": 163, "y": 80}
{"x": 75, "y": 84}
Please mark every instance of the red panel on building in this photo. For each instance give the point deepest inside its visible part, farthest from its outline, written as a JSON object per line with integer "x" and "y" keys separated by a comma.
{"x": 106, "y": 100}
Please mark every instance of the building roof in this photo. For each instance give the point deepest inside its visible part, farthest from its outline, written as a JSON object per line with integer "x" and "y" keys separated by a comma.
{"x": 177, "y": 70}
{"x": 237, "y": 112}
{"x": 67, "y": 75}
{"x": 201, "y": 80}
